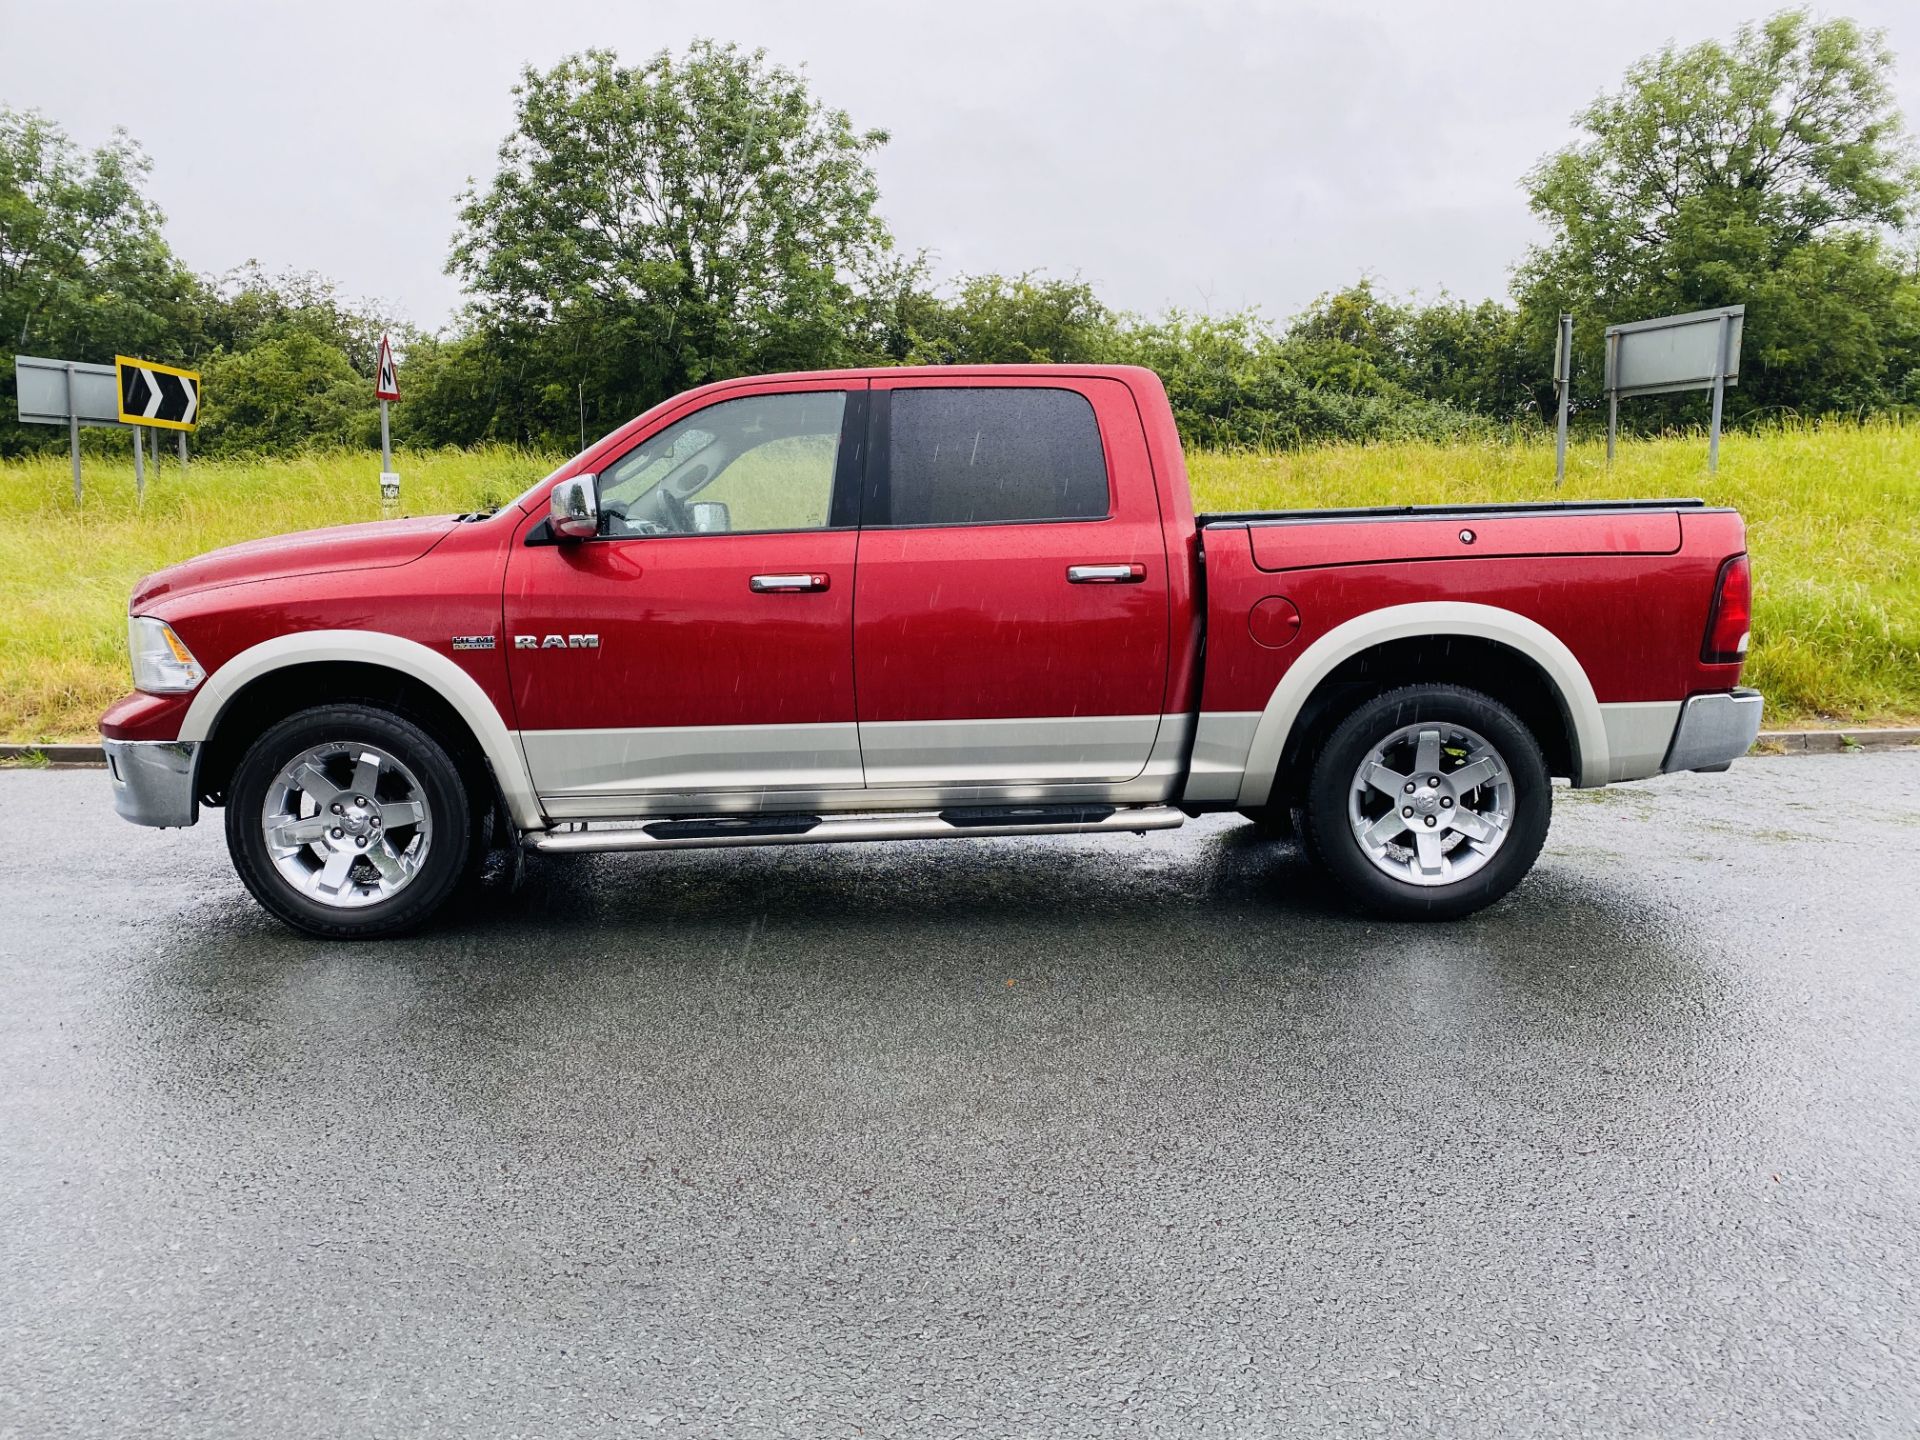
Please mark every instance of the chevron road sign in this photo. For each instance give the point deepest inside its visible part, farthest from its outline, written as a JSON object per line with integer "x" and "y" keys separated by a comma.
{"x": 158, "y": 395}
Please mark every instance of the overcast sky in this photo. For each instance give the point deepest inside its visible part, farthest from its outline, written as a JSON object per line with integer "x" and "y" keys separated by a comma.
{"x": 1206, "y": 155}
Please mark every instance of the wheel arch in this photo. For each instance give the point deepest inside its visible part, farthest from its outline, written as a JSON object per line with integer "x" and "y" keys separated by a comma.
{"x": 1516, "y": 660}
{"x": 273, "y": 679}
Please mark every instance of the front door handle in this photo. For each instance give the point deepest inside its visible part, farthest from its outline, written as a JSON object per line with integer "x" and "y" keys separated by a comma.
{"x": 1106, "y": 574}
{"x": 786, "y": 584}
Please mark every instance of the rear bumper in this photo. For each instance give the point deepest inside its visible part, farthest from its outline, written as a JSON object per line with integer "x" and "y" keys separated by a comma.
{"x": 153, "y": 780}
{"x": 1714, "y": 731}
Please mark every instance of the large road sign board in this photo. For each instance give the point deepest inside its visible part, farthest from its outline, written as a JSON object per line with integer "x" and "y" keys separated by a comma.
{"x": 61, "y": 392}
{"x": 1696, "y": 351}
{"x": 154, "y": 394}
{"x": 1675, "y": 352}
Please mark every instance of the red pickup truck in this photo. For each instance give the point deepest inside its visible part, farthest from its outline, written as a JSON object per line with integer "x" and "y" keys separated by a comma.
{"x": 914, "y": 604}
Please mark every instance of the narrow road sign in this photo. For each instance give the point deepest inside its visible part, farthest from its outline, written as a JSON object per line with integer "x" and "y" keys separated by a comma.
{"x": 386, "y": 384}
{"x": 160, "y": 395}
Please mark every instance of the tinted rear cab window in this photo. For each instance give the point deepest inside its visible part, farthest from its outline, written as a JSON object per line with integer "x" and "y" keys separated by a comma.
{"x": 986, "y": 456}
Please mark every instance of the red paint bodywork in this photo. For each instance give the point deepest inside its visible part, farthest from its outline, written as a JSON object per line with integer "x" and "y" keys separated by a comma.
{"x": 1633, "y": 621}
{"x": 945, "y": 622}
{"x": 683, "y": 640}
{"x": 979, "y": 622}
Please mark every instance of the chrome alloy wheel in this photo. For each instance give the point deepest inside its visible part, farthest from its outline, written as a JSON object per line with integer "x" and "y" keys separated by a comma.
{"x": 1431, "y": 803}
{"x": 347, "y": 824}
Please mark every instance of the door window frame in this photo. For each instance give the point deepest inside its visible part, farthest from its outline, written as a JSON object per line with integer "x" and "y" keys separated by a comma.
{"x": 849, "y": 468}
{"x": 876, "y": 497}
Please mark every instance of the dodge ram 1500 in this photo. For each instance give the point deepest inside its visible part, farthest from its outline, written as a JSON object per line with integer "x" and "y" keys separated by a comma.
{"x": 913, "y": 604}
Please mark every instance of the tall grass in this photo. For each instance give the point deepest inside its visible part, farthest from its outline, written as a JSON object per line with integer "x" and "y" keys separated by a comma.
{"x": 1833, "y": 523}
{"x": 65, "y": 575}
{"x": 1833, "y": 517}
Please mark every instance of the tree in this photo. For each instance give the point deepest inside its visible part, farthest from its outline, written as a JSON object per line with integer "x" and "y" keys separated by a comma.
{"x": 1767, "y": 172}
{"x": 1019, "y": 320}
{"x": 286, "y": 393}
{"x": 655, "y": 227}
{"x": 247, "y": 307}
{"x": 84, "y": 270}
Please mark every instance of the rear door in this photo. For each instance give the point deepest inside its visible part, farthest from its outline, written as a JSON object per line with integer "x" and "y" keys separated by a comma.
{"x": 704, "y": 642}
{"x": 1011, "y": 596}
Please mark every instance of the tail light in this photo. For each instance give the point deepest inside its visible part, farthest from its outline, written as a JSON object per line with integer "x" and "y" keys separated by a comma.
{"x": 1730, "y": 621}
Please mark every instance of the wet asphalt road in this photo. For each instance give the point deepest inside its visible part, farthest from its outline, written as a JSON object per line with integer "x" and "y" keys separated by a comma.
{"x": 1017, "y": 1138}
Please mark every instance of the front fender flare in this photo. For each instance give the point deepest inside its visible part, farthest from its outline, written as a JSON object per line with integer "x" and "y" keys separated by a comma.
{"x": 392, "y": 652}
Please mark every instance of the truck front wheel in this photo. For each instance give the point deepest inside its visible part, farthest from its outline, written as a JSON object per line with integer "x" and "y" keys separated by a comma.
{"x": 350, "y": 822}
{"x": 1428, "y": 802}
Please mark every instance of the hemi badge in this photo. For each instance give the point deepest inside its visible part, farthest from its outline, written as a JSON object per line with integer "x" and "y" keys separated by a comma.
{"x": 473, "y": 642}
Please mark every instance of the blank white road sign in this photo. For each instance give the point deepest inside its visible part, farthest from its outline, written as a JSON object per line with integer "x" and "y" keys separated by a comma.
{"x": 1674, "y": 352}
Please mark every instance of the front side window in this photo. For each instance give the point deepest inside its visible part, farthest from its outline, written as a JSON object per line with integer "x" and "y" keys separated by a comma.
{"x": 762, "y": 462}
{"x": 985, "y": 456}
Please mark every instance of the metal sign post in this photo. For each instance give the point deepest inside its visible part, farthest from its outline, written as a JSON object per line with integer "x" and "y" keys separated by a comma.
{"x": 69, "y": 393}
{"x": 1613, "y": 395}
{"x": 386, "y": 386}
{"x": 1696, "y": 351}
{"x": 1719, "y": 393}
{"x": 1563, "y": 376}
{"x": 73, "y": 431}
{"x": 139, "y": 467}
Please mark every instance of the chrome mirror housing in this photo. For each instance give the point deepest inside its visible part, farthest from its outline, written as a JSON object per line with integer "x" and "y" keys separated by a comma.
{"x": 573, "y": 507}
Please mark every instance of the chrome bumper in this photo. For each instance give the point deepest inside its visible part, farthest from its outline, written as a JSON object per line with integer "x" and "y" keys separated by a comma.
{"x": 1714, "y": 731}
{"x": 153, "y": 780}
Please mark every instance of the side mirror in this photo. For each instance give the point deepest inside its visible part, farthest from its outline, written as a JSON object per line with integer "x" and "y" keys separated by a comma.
{"x": 711, "y": 517}
{"x": 573, "y": 507}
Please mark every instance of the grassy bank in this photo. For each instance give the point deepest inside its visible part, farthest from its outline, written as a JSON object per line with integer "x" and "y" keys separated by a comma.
{"x": 1833, "y": 523}
{"x": 1833, "y": 515}
{"x": 65, "y": 575}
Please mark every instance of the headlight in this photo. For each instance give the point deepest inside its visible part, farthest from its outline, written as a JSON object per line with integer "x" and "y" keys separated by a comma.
{"x": 162, "y": 664}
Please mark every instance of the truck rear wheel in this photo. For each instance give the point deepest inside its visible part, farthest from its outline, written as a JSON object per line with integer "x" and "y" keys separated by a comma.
{"x": 350, "y": 822}
{"x": 1429, "y": 802}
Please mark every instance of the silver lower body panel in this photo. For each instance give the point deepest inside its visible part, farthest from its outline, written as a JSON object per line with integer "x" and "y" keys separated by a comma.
{"x": 771, "y": 782}
{"x": 153, "y": 780}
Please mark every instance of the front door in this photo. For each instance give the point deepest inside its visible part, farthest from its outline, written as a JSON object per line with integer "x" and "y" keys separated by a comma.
{"x": 1010, "y": 621}
{"x": 703, "y": 643}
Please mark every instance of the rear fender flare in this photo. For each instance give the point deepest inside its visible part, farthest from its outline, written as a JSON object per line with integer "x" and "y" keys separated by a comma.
{"x": 392, "y": 652}
{"x": 1404, "y": 622}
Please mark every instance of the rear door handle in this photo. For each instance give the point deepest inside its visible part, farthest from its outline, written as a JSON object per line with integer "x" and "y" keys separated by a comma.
{"x": 786, "y": 584}
{"x": 1106, "y": 574}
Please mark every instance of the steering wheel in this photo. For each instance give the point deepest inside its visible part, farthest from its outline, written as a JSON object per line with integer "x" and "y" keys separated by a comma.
{"x": 678, "y": 514}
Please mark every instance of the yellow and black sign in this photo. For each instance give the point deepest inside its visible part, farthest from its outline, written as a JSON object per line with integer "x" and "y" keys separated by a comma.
{"x": 160, "y": 395}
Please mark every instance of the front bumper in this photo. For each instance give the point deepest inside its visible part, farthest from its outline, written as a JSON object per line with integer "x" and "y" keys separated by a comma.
{"x": 153, "y": 780}
{"x": 1714, "y": 731}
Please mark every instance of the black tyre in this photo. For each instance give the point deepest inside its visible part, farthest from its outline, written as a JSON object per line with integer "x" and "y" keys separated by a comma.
{"x": 1272, "y": 822}
{"x": 351, "y": 822}
{"x": 1428, "y": 802}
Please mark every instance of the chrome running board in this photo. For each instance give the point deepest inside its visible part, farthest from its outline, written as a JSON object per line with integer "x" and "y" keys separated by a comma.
{"x": 972, "y": 824}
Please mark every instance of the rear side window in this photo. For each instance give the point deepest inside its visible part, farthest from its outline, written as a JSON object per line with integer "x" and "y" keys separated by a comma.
{"x": 988, "y": 456}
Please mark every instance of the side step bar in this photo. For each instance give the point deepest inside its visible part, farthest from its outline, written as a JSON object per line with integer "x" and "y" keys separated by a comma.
{"x": 718, "y": 832}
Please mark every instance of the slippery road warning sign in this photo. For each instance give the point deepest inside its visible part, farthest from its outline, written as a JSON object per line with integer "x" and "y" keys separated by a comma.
{"x": 386, "y": 384}
{"x": 158, "y": 395}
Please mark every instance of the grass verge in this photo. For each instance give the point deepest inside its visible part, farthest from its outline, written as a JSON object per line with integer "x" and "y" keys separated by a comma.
{"x": 1833, "y": 516}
